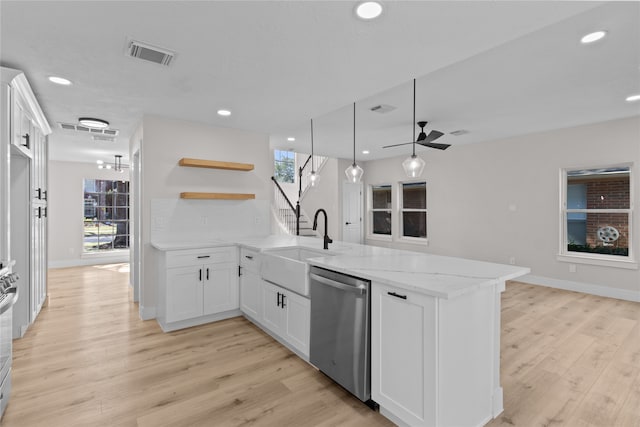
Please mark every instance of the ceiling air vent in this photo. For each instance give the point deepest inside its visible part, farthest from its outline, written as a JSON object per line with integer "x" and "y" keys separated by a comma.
{"x": 459, "y": 132}
{"x": 382, "y": 108}
{"x": 103, "y": 138}
{"x": 150, "y": 53}
{"x": 85, "y": 129}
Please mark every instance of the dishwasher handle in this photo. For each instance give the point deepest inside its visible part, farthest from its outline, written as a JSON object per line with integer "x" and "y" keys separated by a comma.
{"x": 360, "y": 289}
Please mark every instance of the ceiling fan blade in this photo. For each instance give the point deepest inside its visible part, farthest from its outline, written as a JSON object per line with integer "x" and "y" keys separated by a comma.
{"x": 435, "y": 145}
{"x": 433, "y": 135}
{"x": 396, "y": 145}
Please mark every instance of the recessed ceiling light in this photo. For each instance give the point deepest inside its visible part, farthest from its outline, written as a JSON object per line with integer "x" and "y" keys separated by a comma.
{"x": 93, "y": 122}
{"x": 369, "y": 10}
{"x": 291, "y": 139}
{"x": 59, "y": 80}
{"x": 593, "y": 37}
{"x": 100, "y": 162}
{"x": 633, "y": 98}
{"x": 365, "y": 151}
{"x": 224, "y": 113}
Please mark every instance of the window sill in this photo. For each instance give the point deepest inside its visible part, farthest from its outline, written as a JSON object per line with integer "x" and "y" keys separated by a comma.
{"x": 423, "y": 241}
{"x": 603, "y": 261}
{"x": 381, "y": 237}
{"x": 105, "y": 254}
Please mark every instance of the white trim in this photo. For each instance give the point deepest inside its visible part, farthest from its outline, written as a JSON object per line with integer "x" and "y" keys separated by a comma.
{"x": 380, "y": 237}
{"x": 147, "y": 313}
{"x": 587, "y": 288}
{"x": 92, "y": 260}
{"x": 598, "y": 259}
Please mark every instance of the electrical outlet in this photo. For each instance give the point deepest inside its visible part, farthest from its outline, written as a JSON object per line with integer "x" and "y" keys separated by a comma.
{"x": 204, "y": 220}
{"x": 257, "y": 220}
{"x": 512, "y": 260}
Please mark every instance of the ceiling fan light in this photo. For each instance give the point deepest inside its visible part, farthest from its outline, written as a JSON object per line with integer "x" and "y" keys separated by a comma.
{"x": 93, "y": 122}
{"x": 354, "y": 173}
{"x": 413, "y": 166}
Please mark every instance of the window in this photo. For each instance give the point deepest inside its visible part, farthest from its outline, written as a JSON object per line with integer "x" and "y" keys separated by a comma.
{"x": 413, "y": 209}
{"x": 284, "y": 166}
{"x": 106, "y": 215}
{"x": 381, "y": 210}
{"x": 597, "y": 213}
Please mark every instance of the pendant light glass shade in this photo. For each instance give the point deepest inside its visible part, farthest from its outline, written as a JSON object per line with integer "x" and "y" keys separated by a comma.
{"x": 413, "y": 166}
{"x": 354, "y": 172}
{"x": 314, "y": 177}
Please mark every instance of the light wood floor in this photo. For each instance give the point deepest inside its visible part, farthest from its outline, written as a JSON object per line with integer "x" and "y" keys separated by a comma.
{"x": 567, "y": 359}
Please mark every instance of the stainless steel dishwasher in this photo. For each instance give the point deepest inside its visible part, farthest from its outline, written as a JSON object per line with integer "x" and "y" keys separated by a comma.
{"x": 340, "y": 330}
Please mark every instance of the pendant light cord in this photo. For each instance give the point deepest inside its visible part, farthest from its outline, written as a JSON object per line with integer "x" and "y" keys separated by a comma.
{"x": 413, "y": 125}
{"x": 354, "y": 134}
{"x": 312, "y": 168}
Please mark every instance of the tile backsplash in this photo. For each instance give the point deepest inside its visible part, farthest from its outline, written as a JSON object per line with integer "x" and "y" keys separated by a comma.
{"x": 178, "y": 219}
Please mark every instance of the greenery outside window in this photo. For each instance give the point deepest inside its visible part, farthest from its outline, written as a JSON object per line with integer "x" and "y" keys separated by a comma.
{"x": 106, "y": 215}
{"x": 597, "y": 213}
{"x": 381, "y": 210}
{"x": 413, "y": 210}
{"x": 284, "y": 166}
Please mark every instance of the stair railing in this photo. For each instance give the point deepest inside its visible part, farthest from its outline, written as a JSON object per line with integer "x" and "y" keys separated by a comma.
{"x": 303, "y": 175}
{"x": 289, "y": 215}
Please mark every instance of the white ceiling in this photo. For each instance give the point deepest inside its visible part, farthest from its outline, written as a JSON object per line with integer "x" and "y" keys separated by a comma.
{"x": 494, "y": 68}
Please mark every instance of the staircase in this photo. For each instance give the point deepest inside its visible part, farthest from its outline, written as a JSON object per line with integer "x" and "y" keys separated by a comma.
{"x": 291, "y": 218}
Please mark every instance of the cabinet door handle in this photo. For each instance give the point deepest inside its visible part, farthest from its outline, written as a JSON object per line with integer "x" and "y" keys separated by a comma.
{"x": 203, "y": 256}
{"x": 39, "y": 211}
{"x": 207, "y": 273}
{"x": 45, "y": 212}
{"x": 200, "y": 274}
{"x": 393, "y": 294}
{"x": 248, "y": 257}
{"x": 278, "y": 301}
{"x": 282, "y": 304}
{"x": 239, "y": 270}
{"x": 347, "y": 223}
{"x": 26, "y": 137}
{"x": 44, "y": 194}
{"x": 39, "y": 193}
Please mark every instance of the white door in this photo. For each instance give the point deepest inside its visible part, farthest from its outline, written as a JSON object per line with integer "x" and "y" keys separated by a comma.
{"x": 136, "y": 273}
{"x": 298, "y": 330}
{"x": 220, "y": 288}
{"x": 352, "y": 212}
{"x": 273, "y": 315}
{"x": 184, "y": 293}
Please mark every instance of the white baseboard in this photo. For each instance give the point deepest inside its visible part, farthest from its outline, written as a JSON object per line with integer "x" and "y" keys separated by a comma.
{"x": 80, "y": 262}
{"x": 587, "y": 288}
{"x": 147, "y": 313}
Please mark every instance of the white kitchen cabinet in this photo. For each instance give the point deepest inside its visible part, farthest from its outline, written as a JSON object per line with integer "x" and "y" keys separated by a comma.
{"x": 250, "y": 284}
{"x": 197, "y": 286}
{"x": 403, "y": 326}
{"x": 287, "y": 315}
{"x": 431, "y": 356}
{"x": 23, "y": 217}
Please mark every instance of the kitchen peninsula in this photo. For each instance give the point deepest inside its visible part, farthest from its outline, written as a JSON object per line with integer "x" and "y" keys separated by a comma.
{"x": 435, "y": 330}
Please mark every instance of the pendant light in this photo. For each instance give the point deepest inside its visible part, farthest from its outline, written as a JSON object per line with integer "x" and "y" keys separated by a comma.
{"x": 413, "y": 165}
{"x": 354, "y": 172}
{"x": 314, "y": 178}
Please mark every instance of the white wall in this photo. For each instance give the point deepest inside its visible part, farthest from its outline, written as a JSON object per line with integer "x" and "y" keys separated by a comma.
{"x": 326, "y": 196}
{"x": 165, "y": 142}
{"x": 66, "y": 213}
{"x": 470, "y": 189}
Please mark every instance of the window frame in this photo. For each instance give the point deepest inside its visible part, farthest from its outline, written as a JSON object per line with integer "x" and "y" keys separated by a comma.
{"x": 401, "y": 210}
{"x": 114, "y": 205}
{"x": 370, "y": 234}
{"x": 618, "y": 261}
{"x": 292, "y": 162}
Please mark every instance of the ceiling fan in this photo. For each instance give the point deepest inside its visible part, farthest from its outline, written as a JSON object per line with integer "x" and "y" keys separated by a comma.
{"x": 423, "y": 138}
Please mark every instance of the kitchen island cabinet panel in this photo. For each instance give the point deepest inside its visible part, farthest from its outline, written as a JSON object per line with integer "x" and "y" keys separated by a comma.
{"x": 403, "y": 353}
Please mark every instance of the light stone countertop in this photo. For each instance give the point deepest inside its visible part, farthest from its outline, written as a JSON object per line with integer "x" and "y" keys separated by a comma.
{"x": 434, "y": 275}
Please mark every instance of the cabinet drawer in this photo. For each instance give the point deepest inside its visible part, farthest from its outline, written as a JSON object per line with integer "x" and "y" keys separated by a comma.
{"x": 250, "y": 260}
{"x": 201, "y": 256}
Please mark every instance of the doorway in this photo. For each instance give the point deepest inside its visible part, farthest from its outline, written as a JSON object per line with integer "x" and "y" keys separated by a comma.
{"x": 352, "y": 203}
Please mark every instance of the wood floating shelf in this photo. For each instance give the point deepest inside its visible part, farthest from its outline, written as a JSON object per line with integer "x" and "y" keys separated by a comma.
{"x": 217, "y": 196}
{"x": 215, "y": 164}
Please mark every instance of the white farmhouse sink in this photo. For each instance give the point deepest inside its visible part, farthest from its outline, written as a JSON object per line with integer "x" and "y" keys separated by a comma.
{"x": 287, "y": 267}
